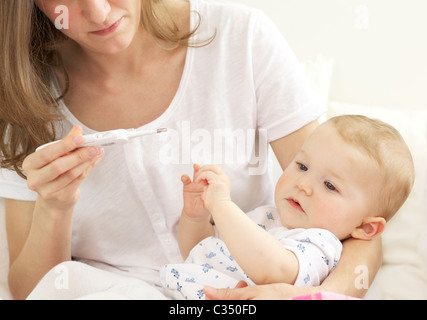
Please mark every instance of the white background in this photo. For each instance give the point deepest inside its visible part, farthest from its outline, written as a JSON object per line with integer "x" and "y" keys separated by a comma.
{"x": 379, "y": 46}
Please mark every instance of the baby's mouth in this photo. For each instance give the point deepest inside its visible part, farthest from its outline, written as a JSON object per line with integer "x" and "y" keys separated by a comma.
{"x": 295, "y": 204}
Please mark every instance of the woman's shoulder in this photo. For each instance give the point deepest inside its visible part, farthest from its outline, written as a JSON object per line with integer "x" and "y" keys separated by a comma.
{"x": 12, "y": 186}
{"x": 226, "y": 13}
{"x": 225, "y": 19}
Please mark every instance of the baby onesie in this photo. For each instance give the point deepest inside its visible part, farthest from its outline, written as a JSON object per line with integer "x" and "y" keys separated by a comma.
{"x": 210, "y": 263}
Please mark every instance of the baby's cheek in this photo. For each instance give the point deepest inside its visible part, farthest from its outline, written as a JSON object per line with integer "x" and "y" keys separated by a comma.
{"x": 282, "y": 184}
{"x": 325, "y": 212}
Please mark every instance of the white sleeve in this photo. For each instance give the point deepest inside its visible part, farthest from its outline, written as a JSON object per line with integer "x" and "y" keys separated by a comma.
{"x": 285, "y": 99}
{"x": 12, "y": 186}
{"x": 317, "y": 251}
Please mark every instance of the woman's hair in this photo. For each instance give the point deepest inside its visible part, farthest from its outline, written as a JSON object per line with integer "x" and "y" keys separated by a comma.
{"x": 26, "y": 102}
{"x": 28, "y": 107}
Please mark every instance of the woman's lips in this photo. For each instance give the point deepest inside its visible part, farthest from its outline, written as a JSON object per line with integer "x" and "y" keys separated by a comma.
{"x": 294, "y": 204}
{"x": 108, "y": 30}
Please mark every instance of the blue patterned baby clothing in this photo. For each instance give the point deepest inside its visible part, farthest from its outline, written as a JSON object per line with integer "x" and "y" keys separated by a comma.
{"x": 210, "y": 263}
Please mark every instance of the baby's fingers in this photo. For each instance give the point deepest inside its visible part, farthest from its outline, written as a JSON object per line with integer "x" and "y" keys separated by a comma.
{"x": 185, "y": 180}
{"x": 207, "y": 176}
{"x": 196, "y": 168}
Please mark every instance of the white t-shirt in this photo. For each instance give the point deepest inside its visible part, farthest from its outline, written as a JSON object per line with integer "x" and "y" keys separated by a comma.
{"x": 247, "y": 81}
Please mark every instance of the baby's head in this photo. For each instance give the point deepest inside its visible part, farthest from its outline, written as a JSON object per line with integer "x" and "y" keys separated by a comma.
{"x": 350, "y": 177}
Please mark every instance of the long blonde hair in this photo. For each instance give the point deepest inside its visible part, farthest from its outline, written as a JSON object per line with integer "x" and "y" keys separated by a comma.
{"x": 28, "y": 108}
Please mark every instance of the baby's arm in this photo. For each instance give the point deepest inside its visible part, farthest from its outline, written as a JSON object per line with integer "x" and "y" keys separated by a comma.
{"x": 263, "y": 258}
{"x": 194, "y": 224}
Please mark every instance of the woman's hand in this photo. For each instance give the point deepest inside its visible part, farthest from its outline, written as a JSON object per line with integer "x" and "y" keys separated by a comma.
{"x": 278, "y": 291}
{"x": 57, "y": 171}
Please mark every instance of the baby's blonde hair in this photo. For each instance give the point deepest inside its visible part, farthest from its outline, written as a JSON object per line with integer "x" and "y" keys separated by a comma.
{"x": 385, "y": 145}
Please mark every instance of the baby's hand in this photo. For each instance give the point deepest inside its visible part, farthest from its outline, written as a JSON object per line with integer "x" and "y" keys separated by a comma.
{"x": 217, "y": 186}
{"x": 193, "y": 192}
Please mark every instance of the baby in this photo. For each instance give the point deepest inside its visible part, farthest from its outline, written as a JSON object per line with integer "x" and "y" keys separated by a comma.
{"x": 349, "y": 178}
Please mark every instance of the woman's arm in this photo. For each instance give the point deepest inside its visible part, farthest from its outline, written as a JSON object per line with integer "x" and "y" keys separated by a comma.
{"x": 36, "y": 244}
{"x": 39, "y": 233}
{"x": 287, "y": 147}
{"x": 357, "y": 268}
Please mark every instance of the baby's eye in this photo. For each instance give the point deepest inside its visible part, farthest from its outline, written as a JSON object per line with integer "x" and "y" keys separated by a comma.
{"x": 302, "y": 167}
{"x": 330, "y": 186}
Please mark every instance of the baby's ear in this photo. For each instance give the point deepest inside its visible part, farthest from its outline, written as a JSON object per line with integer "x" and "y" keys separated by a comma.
{"x": 369, "y": 229}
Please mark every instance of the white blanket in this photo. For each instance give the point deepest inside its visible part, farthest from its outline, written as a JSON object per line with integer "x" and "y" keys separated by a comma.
{"x": 75, "y": 280}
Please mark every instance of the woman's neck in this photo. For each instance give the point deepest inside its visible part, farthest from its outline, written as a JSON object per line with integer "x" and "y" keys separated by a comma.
{"x": 100, "y": 65}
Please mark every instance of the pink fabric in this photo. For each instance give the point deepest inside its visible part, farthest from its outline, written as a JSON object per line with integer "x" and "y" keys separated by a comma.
{"x": 324, "y": 296}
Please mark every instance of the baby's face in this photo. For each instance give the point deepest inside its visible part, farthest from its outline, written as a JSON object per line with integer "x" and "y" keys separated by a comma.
{"x": 330, "y": 185}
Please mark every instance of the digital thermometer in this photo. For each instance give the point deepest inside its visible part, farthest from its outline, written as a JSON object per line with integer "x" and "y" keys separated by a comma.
{"x": 110, "y": 138}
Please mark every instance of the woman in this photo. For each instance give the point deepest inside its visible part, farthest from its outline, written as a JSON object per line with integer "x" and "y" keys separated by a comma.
{"x": 139, "y": 64}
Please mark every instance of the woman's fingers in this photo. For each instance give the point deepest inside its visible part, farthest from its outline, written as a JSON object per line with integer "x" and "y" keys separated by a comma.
{"x": 46, "y": 155}
{"x": 57, "y": 170}
{"x": 61, "y": 166}
{"x": 66, "y": 163}
{"x": 77, "y": 173}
